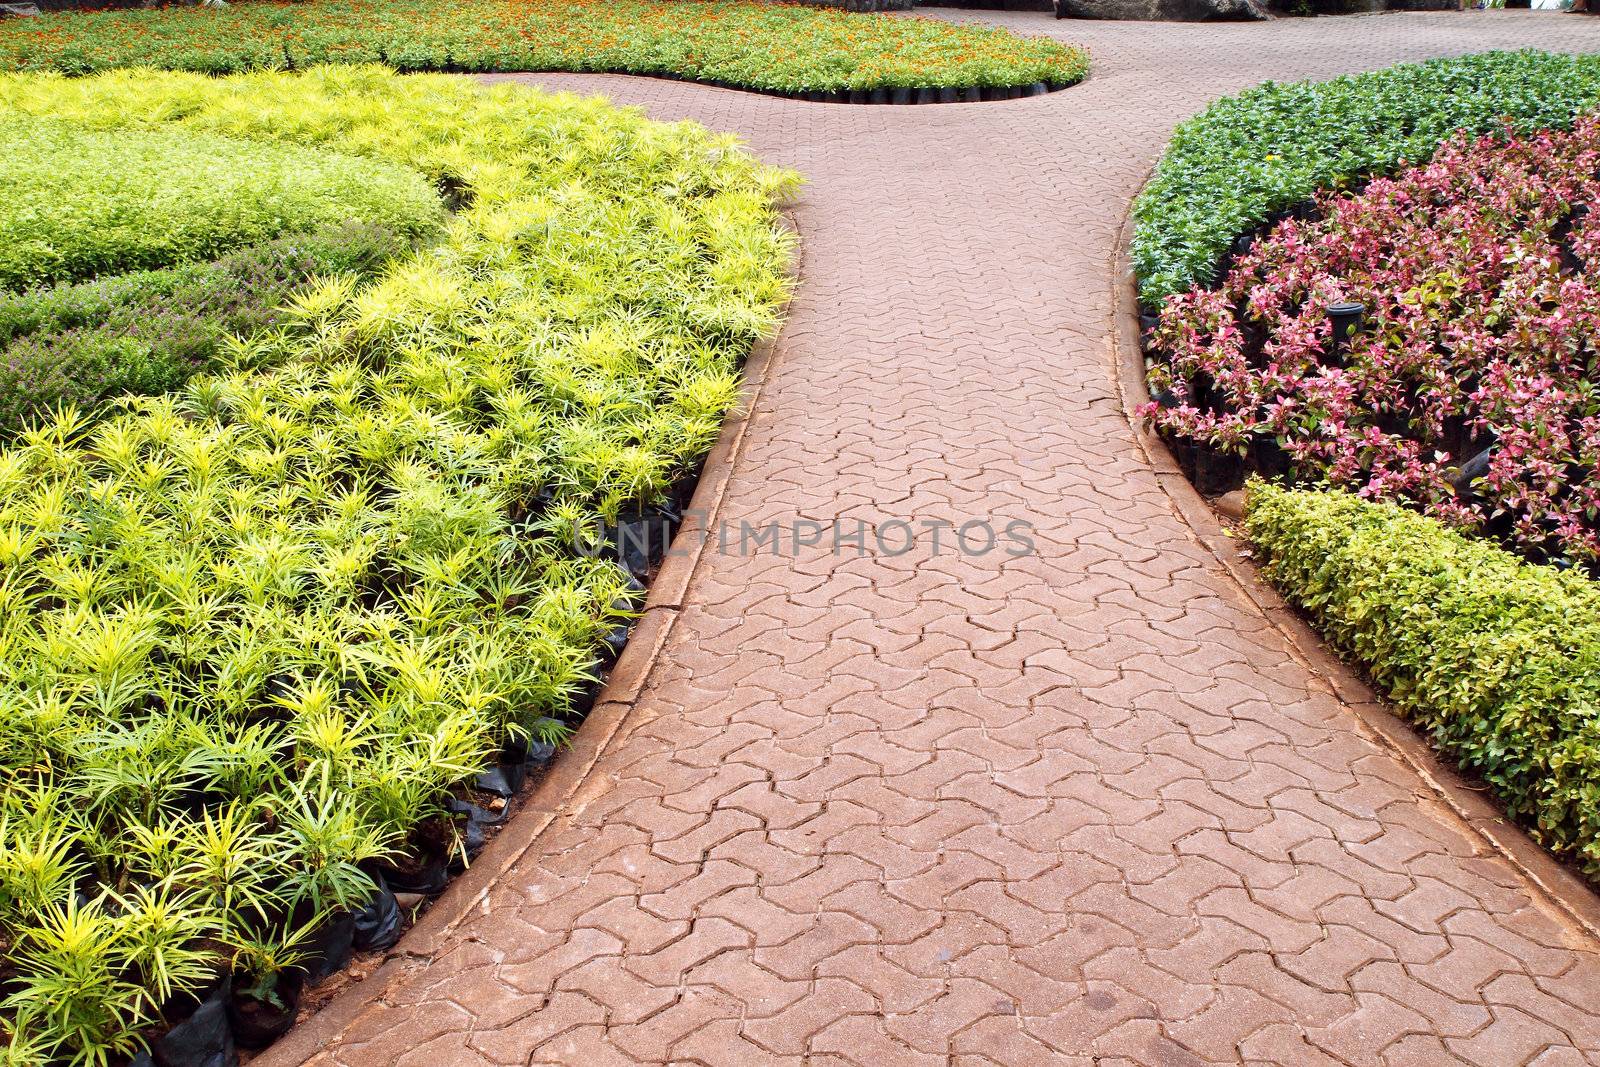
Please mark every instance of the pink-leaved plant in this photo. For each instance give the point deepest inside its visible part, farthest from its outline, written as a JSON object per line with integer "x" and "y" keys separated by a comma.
{"x": 1480, "y": 275}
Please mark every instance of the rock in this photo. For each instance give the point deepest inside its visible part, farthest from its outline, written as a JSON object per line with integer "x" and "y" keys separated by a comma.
{"x": 19, "y": 11}
{"x": 1163, "y": 10}
{"x": 1230, "y": 505}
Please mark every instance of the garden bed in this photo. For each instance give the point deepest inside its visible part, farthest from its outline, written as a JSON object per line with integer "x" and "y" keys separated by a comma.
{"x": 285, "y": 640}
{"x": 1426, "y": 339}
{"x": 1249, "y": 158}
{"x": 1407, "y": 320}
{"x": 790, "y": 50}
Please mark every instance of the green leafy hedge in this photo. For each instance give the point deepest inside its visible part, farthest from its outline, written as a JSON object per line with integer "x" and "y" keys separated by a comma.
{"x": 747, "y": 43}
{"x": 82, "y": 202}
{"x": 1497, "y": 658}
{"x": 1271, "y": 147}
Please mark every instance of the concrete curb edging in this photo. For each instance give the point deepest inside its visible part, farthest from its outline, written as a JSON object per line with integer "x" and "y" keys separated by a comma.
{"x": 553, "y": 798}
{"x": 1563, "y": 889}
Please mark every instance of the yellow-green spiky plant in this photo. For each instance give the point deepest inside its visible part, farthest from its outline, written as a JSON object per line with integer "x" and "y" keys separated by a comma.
{"x": 252, "y": 632}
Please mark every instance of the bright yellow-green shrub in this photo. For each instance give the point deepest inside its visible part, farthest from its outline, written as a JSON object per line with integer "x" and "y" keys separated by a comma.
{"x": 84, "y": 202}
{"x": 1498, "y": 658}
{"x": 250, "y": 632}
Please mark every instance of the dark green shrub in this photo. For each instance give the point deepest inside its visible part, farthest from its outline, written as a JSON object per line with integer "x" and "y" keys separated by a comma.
{"x": 1498, "y": 659}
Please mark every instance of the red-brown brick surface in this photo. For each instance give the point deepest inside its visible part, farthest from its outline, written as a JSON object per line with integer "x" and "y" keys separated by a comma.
{"x": 1080, "y": 807}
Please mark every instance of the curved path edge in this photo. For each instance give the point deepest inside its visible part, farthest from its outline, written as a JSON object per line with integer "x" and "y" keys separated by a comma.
{"x": 569, "y": 775}
{"x": 1476, "y": 807}
{"x": 916, "y": 96}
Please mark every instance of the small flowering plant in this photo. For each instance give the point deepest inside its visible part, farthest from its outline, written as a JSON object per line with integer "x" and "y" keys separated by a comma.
{"x": 1469, "y": 389}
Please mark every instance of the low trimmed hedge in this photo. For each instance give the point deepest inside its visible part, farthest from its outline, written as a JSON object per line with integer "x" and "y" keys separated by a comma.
{"x": 81, "y": 203}
{"x": 1272, "y": 147}
{"x": 1498, "y": 659}
{"x": 773, "y": 47}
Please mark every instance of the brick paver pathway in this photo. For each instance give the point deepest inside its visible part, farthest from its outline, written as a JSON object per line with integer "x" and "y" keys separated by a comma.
{"x": 1078, "y": 807}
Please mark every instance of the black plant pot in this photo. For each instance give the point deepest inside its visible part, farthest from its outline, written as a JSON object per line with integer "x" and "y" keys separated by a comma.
{"x": 1217, "y": 472}
{"x": 327, "y": 950}
{"x": 612, "y": 644}
{"x": 1184, "y": 452}
{"x": 641, "y": 538}
{"x": 427, "y": 875}
{"x": 1470, "y": 472}
{"x": 540, "y": 755}
{"x": 584, "y": 699}
{"x": 1268, "y": 458}
{"x": 1037, "y": 89}
{"x": 257, "y": 1024}
{"x": 949, "y": 96}
{"x": 900, "y": 96}
{"x": 972, "y": 94}
{"x": 280, "y": 686}
{"x": 377, "y": 926}
{"x": 204, "y": 1039}
{"x": 503, "y": 780}
{"x": 878, "y": 96}
{"x": 185, "y": 1002}
{"x": 515, "y": 750}
{"x": 472, "y": 842}
{"x": 1345, "y": 319}
{"x": 477, "y": 813}
{"x": 533, "y": 754}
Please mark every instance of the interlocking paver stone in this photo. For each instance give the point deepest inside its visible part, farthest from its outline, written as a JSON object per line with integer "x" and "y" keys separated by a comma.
{"x": 1077, "y": 807}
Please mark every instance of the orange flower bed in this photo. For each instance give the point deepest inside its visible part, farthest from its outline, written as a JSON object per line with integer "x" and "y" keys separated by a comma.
{"x": 771, "y": 47}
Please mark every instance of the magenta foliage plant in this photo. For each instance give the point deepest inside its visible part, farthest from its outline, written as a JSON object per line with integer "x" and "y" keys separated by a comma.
{"x": 1469, "y": 391}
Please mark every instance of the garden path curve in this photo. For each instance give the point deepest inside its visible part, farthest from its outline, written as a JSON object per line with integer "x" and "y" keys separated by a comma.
{"x": 1084, "y": 806}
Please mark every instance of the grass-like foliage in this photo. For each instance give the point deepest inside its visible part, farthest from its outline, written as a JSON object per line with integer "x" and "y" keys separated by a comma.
{"x": 1497, "y": 658}
{"x": 747, "y": 43}
{"x": 1272, "y": 147}
{"x": 85, "y": 344}
{"x": 81, "y": 203}
{"x": 254, "y": 631}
